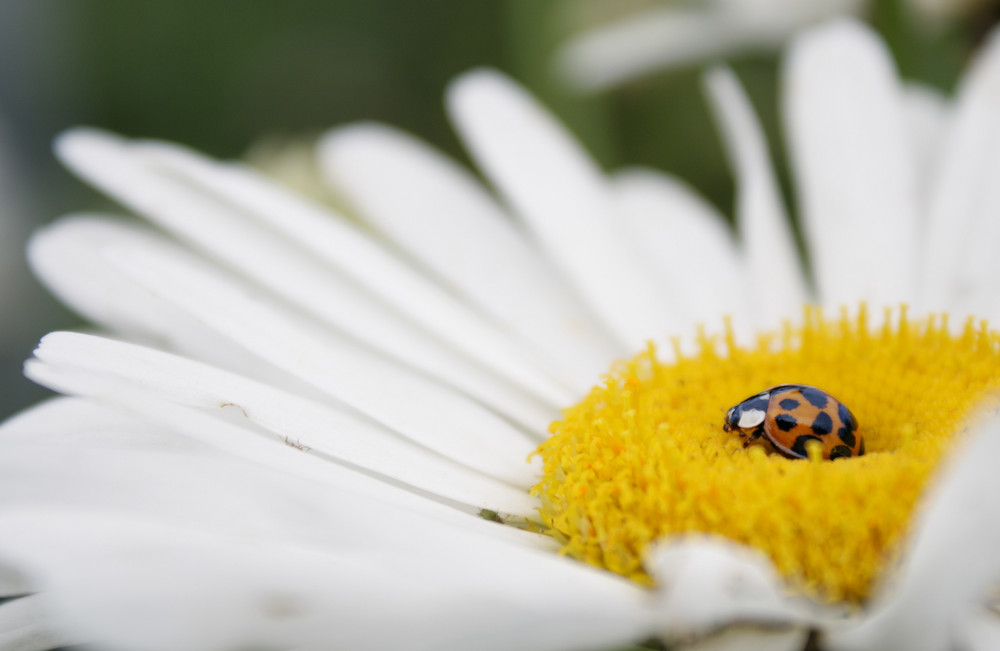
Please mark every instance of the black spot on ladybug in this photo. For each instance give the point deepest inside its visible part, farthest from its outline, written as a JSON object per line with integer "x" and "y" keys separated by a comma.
{"x": 799, "y": 447}
{"x": 822, "y": 424}
{"x": 815, "y": 397}
{"x": 840, "y": 451}
{"x": 785, "y": 422}
{"x": 861, "y": 450}
{"x": 789, "y": 404}
{"x": 847, "y": 436}
{"x": 847, "y": 418}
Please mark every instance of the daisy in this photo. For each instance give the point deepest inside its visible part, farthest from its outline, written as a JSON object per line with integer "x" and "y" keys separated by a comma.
{"x": 295, "y": 432}
{"x": 667, "y": 35}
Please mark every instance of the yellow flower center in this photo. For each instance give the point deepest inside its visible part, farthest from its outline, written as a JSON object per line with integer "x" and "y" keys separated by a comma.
{"x": 644, "y": 455}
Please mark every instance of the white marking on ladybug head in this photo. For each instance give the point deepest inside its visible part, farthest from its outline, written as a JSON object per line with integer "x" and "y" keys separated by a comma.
{"x": 751, "y": 418}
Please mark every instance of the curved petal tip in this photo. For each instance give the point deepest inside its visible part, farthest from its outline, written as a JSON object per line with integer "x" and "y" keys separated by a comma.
{"x": 708, "y": 584}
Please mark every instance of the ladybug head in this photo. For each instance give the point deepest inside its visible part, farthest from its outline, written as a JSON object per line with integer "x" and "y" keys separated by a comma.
{"x": 732, "y": 417}
{"x": 747, "y": 415}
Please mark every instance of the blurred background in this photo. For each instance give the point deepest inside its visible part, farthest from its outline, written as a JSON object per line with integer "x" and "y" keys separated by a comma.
{"x": 258, "y": 79}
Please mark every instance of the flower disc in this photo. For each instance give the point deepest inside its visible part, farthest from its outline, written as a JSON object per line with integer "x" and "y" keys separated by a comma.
{"x": 644, "y": 455}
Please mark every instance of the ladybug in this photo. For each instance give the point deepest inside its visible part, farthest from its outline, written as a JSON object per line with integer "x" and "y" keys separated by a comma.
{"x": 791, "y": 415}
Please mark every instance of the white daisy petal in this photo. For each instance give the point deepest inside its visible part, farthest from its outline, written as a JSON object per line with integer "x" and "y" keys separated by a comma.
{"x": 300, "y": 279}
{"x": 679, "y": 34}
{"x": 854, "y": 165}
{"x": 68, "y": 257}
{"x": 708, "y": 584}
{"x": 290, "y": 595}
{"x": 103, "y": 466}
{"x": 643, "y": 43}
{"x": 686, "y": 241}
{"x": 220, "y": 495}
{"x": 927, "y": 113}
{"x": 777, "y": 285}
{"x": 977, "y": 291}
{"x": 980, "y": 632}
{"x": 82, "y": 364}
{"x": 564, "y": 200}
{"x": 919, "y": 609}
{"x": 446, "y": 220}
{"x": 409, "y": 404}
{"x": 963, "y": 202}
{"x": 976, "y": 288}
{"x": 231, "y": 497}
{"x": 24, "y": 626}
{"x": 235, "y": 191}
{"x": 447, "y": 481}
{"x": 12, "y": 583}
{"x": 73, "y": 423}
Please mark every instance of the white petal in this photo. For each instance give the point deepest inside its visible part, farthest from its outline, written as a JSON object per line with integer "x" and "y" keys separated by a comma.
{"x": 283, "y": 267}
{"x": 564, "y": 200}
{"x": 297, "y": 276}
{"x": 223, "y": 592}
{"x": 231, "y": 497}
{"x": 222, "y": 210}
{"x": 12, "y": 583}
{"x": 981, "y": 632}
{"x": 854, "y": 165}
{"x": 67, "y": 256}
{"x": 23, "y": 626}
{"x": 445, "y": 219}
{"x": 977, "y": 289}
{"x": 83, "y": 280}
{"x": 671, "y": 36}
{"x": 447, "y": 481}
{"x": 640, "y": 44}
{"x": 314, "y": 231}
{"x": 70, "y": 256}
{"x": 977, "y": 279}
{"x": 707, "y": 584}
{"x": 951, "y": 560}
{"x": 183, "y": 482}
{"x": 687, "y": 241}
{"x": 70, "y": 423}
{"x": 775, "y": 275}
{"x": 964, "y": 203}
{"x": 927, "y": 113}
{"x": 92, "y": 366}
{"x": 411, "y": 405}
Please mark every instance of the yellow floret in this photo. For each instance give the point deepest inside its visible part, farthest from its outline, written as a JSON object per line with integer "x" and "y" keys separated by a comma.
{"x": 644, "y": 455}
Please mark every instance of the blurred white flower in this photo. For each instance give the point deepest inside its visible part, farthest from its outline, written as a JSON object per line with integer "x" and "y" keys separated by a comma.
{"x": 679, "y": 33}
{"x": 306, "y": 467}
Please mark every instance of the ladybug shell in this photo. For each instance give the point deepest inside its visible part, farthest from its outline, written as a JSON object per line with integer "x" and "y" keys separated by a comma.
{"x": 796, "y": 414}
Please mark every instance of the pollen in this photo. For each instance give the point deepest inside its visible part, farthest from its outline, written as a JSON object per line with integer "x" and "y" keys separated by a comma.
{"x": 644, "y": 455}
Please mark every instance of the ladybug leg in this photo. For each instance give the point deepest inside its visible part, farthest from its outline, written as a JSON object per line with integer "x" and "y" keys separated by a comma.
{"x": 754, "y": 435}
